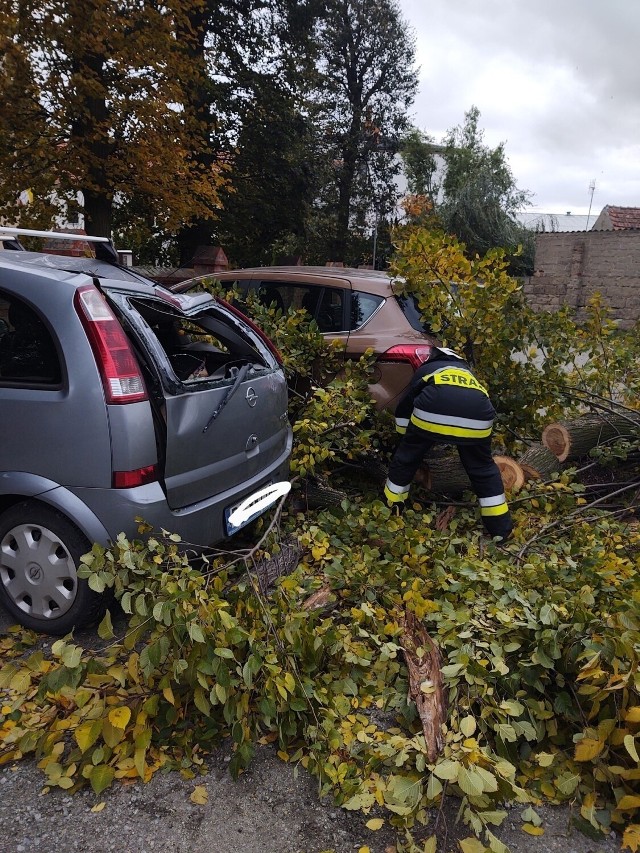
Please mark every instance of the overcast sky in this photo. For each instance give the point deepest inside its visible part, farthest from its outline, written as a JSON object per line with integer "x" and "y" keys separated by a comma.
{"x": 557, "y": 80}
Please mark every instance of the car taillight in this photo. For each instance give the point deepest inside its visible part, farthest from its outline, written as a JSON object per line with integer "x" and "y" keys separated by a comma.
{"x": 414, "y": 354}
{"x": 264, "y": 338}
{"x": 130, "y": 479}
{"x": 119, "y": 369}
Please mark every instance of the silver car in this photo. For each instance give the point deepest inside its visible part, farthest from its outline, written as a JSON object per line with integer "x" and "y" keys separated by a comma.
{"x": 120, "y": 400}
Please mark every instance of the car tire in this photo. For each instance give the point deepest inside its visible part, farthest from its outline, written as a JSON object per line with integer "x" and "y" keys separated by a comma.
{"x": 40, "y": 552}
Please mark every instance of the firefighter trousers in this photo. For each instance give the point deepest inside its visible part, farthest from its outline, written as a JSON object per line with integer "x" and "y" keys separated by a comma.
{"x": 477, "y": 461}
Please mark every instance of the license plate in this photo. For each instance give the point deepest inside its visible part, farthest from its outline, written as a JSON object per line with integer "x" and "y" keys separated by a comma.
{"x": 244, "y": 510}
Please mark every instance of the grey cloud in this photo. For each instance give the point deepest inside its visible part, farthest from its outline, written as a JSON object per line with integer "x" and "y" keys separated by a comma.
{"x": 581, "y": 56}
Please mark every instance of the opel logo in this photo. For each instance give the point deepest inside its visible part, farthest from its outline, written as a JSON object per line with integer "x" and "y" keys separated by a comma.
{"x": 252, "y": 397}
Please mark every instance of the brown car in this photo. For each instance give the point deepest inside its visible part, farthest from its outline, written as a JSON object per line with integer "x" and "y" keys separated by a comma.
{"x": 356, "y": 306}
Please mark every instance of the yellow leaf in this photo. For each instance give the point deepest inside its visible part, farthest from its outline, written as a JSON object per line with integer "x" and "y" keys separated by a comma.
{"x": 588, "y": 748}
{"x": 168, "y": 695}
{"x": 318, "y": 551}
{"x": 532, "y": 830}
{"x": 283, "y": 755}
{"x": 199, "y": 795}
{"x": 629, "y": 802}
{"x": 430, "y": 845}
{"x": 471, "y": 845}
{"x": 631, "y": 837}
{"x": 88, "y": 733}
{"x": 364, "y": 850}
{"x": 119, "y": 717}
{"x": 98, "y": 807}
{"x": 633, "y": 714}
{"x": 374, "y": 823}
{"x": 630, "y": 743}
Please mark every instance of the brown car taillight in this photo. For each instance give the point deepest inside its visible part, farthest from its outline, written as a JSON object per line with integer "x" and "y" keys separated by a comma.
{"x": 119, "y": 369}
{"x": 412, "y": 353}
{"x": 130, "y": 479}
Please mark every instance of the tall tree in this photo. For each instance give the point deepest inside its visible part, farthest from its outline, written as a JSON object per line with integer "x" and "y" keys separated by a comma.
{"x": 265, "y": 208}
{"x": 418, "y": 151}
{"x": 246, "y": 57}
{"x": 480, "y": 197}
{"x": 366, "y": 80}
{"x": 107, "y": 94}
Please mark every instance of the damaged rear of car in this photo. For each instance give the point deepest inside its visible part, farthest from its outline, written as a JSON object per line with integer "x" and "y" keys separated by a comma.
{"x": 121, "y": 401}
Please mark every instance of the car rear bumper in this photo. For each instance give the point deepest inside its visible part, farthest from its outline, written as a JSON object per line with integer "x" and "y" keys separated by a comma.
{"x": 199, "y": 524}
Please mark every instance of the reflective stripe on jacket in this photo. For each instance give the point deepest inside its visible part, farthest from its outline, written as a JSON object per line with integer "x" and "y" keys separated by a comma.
{"x": 446, "y": 401}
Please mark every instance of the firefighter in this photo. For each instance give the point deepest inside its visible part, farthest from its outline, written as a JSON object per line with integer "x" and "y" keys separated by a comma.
{"x": 445, "y": 404}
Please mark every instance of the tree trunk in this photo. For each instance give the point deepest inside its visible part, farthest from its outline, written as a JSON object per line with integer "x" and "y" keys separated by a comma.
{"x": 98, "y": 209}
{"x": 447, "y": 476}
{"x": 539, "y": 463}
{"x": 511, "y": 472}
{"x": 569, "y": 440}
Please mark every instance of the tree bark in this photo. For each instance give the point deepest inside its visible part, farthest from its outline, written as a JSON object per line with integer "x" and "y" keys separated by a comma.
{"x": 447, "y": 476}
{"x": 539, "y": 463}
{"x": 569, "y": 440}
{"x": 426, "y": 686}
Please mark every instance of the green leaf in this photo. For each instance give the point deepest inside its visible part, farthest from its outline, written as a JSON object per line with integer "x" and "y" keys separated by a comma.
{"x": 468, "y": 726}
{"x": 105, "y": 628}
{"x": 201, "y": 702}
{"x": 195, "y": 632}
{"x": 530, "y": 815}
{"x": 447, "y": 769}
{"x": 71, "y": 656}
{"x": 223, "y": 652}
{"x": 434, "y": 787}
{"x": 506, "y": 732}
{"x": 470, "y": 781}
{"x": 96, "y": 583}
{"x": 101, "y": 777}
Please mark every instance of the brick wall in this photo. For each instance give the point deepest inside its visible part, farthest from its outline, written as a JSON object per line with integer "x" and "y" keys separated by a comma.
{"x": 571, "y": 266}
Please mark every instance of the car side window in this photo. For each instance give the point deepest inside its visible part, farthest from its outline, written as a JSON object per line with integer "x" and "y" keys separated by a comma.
{"x": 28, "y": 354}
{"x": 330, "y": 314}
{"x": 324, "y": 304}
{"x": 363, "y": 305}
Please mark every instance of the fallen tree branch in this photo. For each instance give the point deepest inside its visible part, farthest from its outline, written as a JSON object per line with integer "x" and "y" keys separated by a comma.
{"x": 562, "y": 521}
{"x": 426, "y": 686}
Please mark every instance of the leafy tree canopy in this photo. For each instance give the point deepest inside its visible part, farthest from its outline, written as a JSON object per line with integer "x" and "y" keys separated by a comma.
{"x": 366, "y": 80}
{"x": 476, "y": 197}
{"x": 103, "y": 114}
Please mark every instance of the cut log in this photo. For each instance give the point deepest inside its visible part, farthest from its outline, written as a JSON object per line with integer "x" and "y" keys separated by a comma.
{"x": 426, "y": 686}
{"x": 539, "y": 463}
{"x": 446, "y": 475}
{"x": 511, "y": 472}
{"x": 569, "y": 440}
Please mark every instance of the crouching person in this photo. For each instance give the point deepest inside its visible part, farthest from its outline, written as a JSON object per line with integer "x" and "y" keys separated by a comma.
{"x": 445, "y": 404}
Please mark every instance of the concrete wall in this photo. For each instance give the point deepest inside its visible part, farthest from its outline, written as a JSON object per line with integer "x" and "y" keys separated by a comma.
{"x": 571, "y": 266}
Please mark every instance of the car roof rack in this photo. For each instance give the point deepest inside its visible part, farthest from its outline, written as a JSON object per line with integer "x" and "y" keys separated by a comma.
{"x": 104, "y": 248}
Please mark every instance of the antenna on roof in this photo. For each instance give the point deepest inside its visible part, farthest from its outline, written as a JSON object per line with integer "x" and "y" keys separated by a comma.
{"x": 592, "y": 189}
